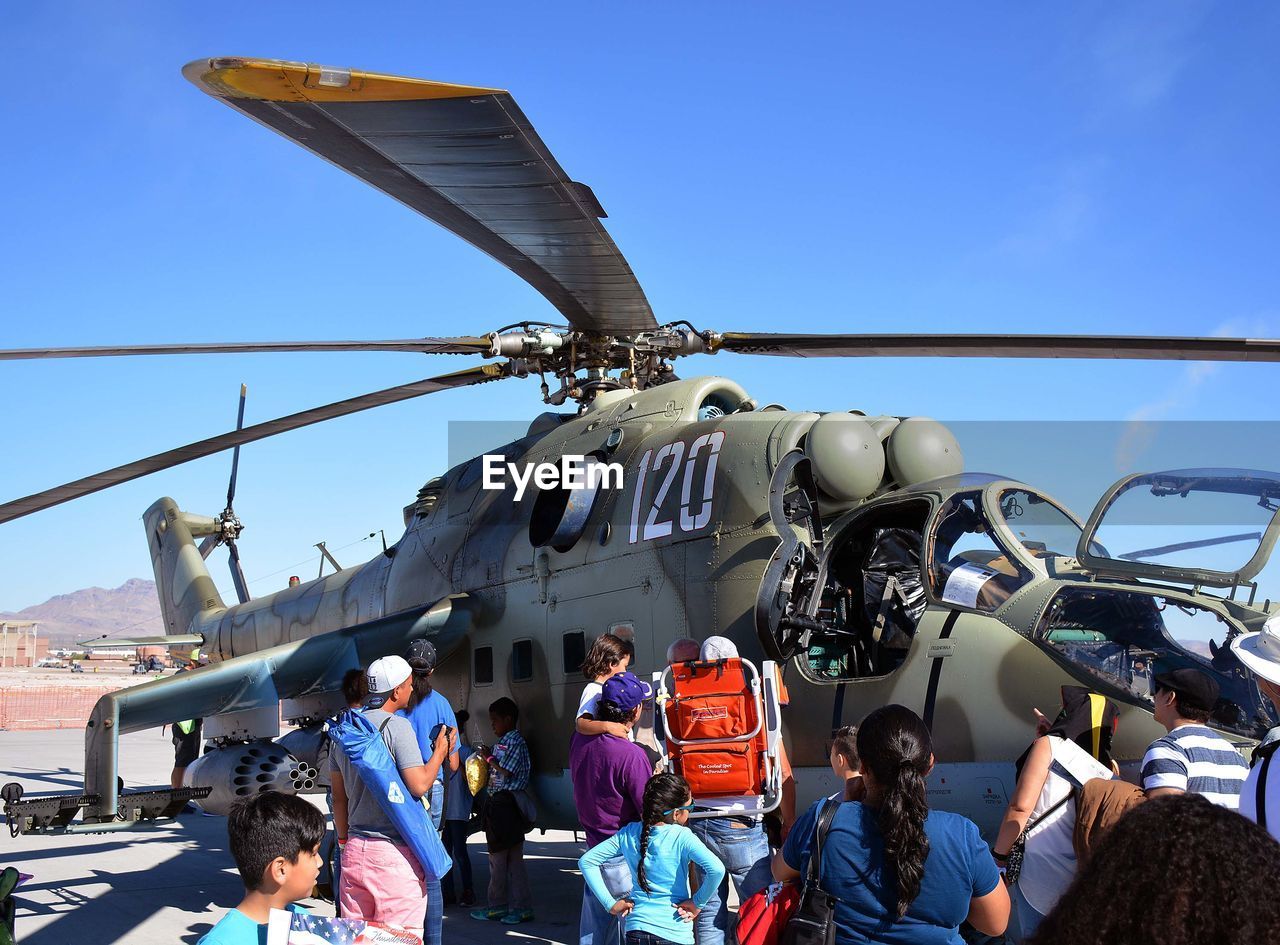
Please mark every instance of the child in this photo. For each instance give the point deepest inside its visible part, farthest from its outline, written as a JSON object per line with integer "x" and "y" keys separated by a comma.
{"x": 608, "y": 656}
{"x": 457, "y": 815}
{"x": 275, "y": 841}
{"x": 845, "y": 763}
{"x": 507, "y": 819}
{"x": 659, "y": 850}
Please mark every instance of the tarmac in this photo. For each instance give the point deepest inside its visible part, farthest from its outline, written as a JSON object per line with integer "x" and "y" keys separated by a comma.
{"x": 171, "y": 883}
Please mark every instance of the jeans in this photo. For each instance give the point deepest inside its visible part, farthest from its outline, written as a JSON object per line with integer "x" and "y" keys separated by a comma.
{"x": 636, "y": 937}
{"x": 744, "y": 850}
{"x": 508, "y": 880}
{"x": 455, "y": 842}
{"x": 596, "y": 926}
{"x": 435, "y": 898}
{"x": 1029, "y": 918}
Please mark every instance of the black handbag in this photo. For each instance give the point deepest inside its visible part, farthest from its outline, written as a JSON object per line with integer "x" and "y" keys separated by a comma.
{"x": 813, "y": 922}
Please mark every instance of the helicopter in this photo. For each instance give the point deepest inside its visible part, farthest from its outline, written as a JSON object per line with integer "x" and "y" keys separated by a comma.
{"x": 856, "y": 550}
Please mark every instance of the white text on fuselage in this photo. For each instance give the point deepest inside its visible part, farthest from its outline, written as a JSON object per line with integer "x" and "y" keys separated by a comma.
{"x": 570, "y": 472}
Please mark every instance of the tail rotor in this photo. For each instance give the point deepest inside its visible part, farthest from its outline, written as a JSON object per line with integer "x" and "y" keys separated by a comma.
{"x": 228, "y": 526}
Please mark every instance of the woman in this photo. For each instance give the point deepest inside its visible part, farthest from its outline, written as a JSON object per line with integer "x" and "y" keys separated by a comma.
{"x": 900, "y": 872}
{"x": 1075, "y": 749}
{"x": 659, "y": 850}
{"x": 1178, "y": 870}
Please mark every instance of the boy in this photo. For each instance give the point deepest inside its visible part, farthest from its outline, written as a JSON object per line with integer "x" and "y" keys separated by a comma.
{"x": 275, "y": 841}
{"x": 506, "y": 820}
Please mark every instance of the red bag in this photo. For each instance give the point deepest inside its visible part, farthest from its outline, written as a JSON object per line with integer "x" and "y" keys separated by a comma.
{"x": 763, "y": 916}
{"x": 714, "y": 700}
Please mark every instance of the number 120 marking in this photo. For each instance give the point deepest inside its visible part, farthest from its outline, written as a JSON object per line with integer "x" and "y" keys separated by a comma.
{"x": 705, "y": 448}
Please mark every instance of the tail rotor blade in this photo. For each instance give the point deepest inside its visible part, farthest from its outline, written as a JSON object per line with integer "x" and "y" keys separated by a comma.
{"x": 237, "y": 573}
{"x": 206, "y": 547}
{"x": 235, "y": 454}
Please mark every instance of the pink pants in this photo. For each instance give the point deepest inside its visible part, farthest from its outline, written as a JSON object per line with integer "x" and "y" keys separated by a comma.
{"x": 382, "y": 881}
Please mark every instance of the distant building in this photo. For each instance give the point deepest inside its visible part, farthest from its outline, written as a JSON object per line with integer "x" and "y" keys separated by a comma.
{"x": 21, "y": 643}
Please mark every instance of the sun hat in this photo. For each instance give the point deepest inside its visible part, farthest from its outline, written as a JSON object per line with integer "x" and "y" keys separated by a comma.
{"x": 1260, "y": 652}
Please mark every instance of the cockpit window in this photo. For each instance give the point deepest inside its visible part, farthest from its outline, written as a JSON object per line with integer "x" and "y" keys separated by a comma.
{"x": 1118, "y": 640}
{"x": 1045, "y": 530}
{"x": 967, "y": 565}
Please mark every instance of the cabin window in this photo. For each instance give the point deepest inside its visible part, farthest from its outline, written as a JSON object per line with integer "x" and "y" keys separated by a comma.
{"x": 482, "y": 666}
{"x": 522, "y": 661}
{"x": 967, "y": 566}
{"x": 574, "y": 646}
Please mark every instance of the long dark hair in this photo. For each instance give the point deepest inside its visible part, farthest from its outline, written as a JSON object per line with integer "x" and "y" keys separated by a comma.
{"x": 894, "y": 745}
{"x": 421, "y": 688}
{"x": 1177, "y": 870}
{"x": 606, "y": 650}
{"x": 664, "y": 792}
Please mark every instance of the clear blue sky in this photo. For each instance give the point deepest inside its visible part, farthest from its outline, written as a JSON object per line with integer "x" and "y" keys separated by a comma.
{"x": 999, "y": 167}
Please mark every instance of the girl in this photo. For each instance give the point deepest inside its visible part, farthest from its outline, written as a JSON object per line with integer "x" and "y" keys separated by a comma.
{"x": 900, "y": 873}
{"x": 608, "y": 656}
{"x": 659, "y": 849}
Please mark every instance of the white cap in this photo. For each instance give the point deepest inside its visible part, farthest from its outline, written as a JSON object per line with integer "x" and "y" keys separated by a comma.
{"x": 719, "y": 648}
{"x": 1260, "y": 652}
{"x": 387, "y": 673}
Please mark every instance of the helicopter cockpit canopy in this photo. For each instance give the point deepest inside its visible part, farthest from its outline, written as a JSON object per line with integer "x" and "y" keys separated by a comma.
{"x": 1211, "y": 527}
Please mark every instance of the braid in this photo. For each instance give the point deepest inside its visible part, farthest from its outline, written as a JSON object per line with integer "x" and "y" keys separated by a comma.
{"x": 662, "y": 793}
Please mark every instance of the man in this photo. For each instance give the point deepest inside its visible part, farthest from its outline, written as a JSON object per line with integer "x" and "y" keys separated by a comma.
{"x": 381, "y": 878}
{"x": 683, "y": 650}
{"x": 609, "y": 774}
{"x": 186, "y": 735}
{"x": 429, "y": 713}
{"x": 1192, "y": 758}
{"x": 1260, "y": 796}
{"x": 739, "y": 841}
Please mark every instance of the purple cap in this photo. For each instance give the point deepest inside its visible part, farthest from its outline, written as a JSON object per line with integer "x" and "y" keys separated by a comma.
{"x": 626, "y": 691}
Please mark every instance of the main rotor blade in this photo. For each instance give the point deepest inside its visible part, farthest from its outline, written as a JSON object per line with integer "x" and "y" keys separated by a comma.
{"x": 464, "y": 157}
{"x": 1139, "y": 347}
{"x": 461, "y": 345}
{"x": 235, "y": 453}
{"x": 216, "y": 444}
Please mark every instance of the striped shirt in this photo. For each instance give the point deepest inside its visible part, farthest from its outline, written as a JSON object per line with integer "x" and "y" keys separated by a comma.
{"x": 1196, "y": 759}
{"x": 511, "y": 752}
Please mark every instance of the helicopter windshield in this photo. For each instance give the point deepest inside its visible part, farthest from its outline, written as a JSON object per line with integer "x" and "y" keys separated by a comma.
{"x": 1189, "y": 525}
{"x": 1044, "y": 530}
{"x": 1117, "y": 640}
{"x": 968, "y": 566}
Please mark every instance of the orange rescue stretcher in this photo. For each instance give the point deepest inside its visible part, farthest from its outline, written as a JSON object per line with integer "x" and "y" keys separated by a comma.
{"x": 718, "y": 726}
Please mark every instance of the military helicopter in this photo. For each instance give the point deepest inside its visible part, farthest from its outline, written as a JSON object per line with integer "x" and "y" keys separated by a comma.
{"x": 856, "y": 549}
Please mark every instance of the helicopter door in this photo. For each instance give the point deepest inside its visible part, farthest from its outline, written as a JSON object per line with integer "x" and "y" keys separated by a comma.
{"x": 791, "y": 584}
{"x": 1201, "y": 527}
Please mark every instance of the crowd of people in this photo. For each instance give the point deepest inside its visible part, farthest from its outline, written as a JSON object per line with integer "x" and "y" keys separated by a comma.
{"x": 1188, "y": 854}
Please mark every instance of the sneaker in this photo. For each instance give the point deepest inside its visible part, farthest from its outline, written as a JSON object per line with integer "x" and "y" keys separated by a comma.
{"x": 468, "y": 898}
{"x": 485, "y": 915}
{"x": 515, "y": 917}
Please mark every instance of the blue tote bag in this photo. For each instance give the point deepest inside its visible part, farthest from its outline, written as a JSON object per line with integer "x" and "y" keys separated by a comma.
{"x": 368, "y": 754}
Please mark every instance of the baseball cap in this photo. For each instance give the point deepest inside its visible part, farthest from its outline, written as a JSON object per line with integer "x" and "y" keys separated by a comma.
{"x": 1260, "y": 652}
{"x": 387, "y": 673}
{"x": 626, "y": 691}
{"x": 1195, "y": 689}
{"x": 719, "y": 648}
{"x": 421, "y": 655}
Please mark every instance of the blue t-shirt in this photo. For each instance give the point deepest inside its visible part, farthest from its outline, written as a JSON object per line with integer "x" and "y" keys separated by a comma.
{"x": 236, "y": 928}
{"x": 668, "y": 853}
{"x": 426, "y": 718}
{"x": 959, "y": 868}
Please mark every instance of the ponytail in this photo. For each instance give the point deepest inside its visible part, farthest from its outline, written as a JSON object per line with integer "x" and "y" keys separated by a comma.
{"x": 896, "y": 748}
{"x": 664, "y": 792}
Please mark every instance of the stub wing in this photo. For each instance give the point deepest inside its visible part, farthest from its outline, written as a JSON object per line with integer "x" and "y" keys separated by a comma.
{"x": 463, "y": 156}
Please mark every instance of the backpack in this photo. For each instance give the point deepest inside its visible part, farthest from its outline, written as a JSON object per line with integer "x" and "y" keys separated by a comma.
{"x": 367, "y": 752}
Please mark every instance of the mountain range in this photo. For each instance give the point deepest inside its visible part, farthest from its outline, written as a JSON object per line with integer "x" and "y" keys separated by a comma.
{"x": 91, "y": 612}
